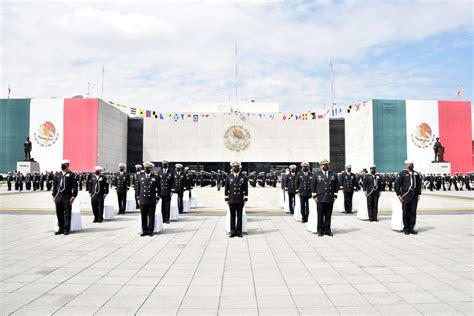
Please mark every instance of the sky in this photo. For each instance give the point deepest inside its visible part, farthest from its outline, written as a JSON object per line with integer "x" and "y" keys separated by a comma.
{"x": 172, "y": 55}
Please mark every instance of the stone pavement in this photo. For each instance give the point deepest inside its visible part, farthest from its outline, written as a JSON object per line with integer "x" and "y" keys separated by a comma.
{"x": 279, "y": 268}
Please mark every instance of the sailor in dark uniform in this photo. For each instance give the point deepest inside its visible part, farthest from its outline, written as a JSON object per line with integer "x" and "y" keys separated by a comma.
{"x": 236, "y": 195}
{"x": 303, "y": 183}
{"x": 147, "y": 190}
{"x": 408, "y": 190}
{"x": 179, "y": 185}
{"x": 291, "y": 187}
{"x": 324, "y": 187}
{"x": 348, "y": 186}
{"x": 64, "y": 193}
{"x": 138, "y": 171}
{"x": 166, "y": 182}
{"x": 372, "y": 189}
{"x": 121, "y": 181}
{"x": 9, "y": 181}
{"x": 98, "y": 190}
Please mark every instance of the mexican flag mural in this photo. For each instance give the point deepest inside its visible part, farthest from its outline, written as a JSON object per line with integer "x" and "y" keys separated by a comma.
{"x": 396, "y": 130}
{"x": 58, "y": 129}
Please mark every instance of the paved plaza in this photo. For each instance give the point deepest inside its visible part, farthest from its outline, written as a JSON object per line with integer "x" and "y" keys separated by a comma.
{"x": 279, "y": 268}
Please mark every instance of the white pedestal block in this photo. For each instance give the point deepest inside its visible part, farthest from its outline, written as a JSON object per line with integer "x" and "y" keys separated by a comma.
{"x": 76, "y": 219}
{"x": 158, "y": 221}
{"x": 439, "y": 167}
{"x": 174, "y": 212}
{"x": 27, "y": 166}
{"x": 244, "y": 221}
{"x": 397, "y": 215}
{"x": 193, "y": 201}
{"x": 362, "y": 212}
{"x": 109, "y": 212}
{"x": 297, "y": 210}
{"x": 312, "y": 224}
{"x": 186, "y": 207}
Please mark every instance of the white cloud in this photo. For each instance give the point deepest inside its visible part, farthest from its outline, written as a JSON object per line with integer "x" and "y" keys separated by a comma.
{"x": 175, "y": 54}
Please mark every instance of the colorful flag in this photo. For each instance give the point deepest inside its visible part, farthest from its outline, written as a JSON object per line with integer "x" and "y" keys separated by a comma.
{"x": 176, "y": 117}
{"x": 141, "y": 112}
{"x": 148, "y": 113}
{"x": 195, "y": 118}
{"x": 161, "y": 117}
{"x": 155, "y": 115}
{"x": 133, "y": 111}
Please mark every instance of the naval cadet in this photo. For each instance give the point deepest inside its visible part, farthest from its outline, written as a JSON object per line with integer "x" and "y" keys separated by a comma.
{"x": 98, "y": 190}
{"x": 372, "y": 189}
{"x": 121, "y": 181}
{"x": 179, "y": 185}
{"x": 348, "y": 186}
{"x": 303, "y": 183}
{"x": 236, "y": 195}
{"x": 147, "y": 192}
{"x": 138, "y": 171}
{"x": 291, "y": 182}
{"x": 166, "y": 177}
{"x": 324, "y": 186}
{"x": 64, "y": 193}
{"x": 408, "y": 190}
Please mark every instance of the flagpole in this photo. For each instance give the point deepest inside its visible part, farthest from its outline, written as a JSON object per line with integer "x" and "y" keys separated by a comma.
{"x": 333, "y": 94}
{"x": 102, "y": 90}
{"x": 236, "y": 77}
{"x": 88, "y": 89}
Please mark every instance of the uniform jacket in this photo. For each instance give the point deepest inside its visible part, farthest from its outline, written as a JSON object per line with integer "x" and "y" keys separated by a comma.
{"x": 372, "y": 183}
{"x": 121, "y": 182}
{"x": 147, "y": 189}
{"x": 325, "y": 188}
{"x": 180, "y": 182}
{"x": 236, "y": 188}
{"x": 64, "y": 186}
{"x": 348, "y": 182}
{"x": 99, "y": 186}
{"x": 406, "y": 183}
{"x": 291, "y": 182}
{"x": 304, "y": 183}
{"x": 166, "y": 182}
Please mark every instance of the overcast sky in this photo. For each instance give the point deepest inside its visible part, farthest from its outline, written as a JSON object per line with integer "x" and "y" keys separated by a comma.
{"x": 171, "y": 55}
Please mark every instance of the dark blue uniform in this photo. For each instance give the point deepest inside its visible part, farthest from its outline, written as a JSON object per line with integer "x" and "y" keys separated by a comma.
{"x": 324, "y": 187}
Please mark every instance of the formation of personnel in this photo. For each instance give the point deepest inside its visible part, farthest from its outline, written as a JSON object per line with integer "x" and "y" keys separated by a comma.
{"x": 322, "y": 186}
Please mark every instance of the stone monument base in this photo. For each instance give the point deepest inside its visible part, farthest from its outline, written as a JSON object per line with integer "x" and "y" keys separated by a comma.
{"x": 27, "y": 166}
{"x": 440, "y": 167}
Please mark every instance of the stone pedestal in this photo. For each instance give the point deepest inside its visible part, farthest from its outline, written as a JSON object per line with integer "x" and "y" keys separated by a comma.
{"x": 440, "y": 167}
{"x": 27, "y": 166}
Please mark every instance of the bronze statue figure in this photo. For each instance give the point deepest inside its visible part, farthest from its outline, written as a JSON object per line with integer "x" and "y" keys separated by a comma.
{"x": 438, "y": 151}
{"x": 27, "y": 147}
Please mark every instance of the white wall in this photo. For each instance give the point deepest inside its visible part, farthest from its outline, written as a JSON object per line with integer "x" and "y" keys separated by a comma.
{"x": 112, "y": 137}
{"x": 360, "y": 138}
{"x": 271, "y": 140}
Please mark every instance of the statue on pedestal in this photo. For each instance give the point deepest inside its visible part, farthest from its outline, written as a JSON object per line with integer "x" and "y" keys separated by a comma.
{"x": 438, "y": 151}
{"x": 27, "y": 147}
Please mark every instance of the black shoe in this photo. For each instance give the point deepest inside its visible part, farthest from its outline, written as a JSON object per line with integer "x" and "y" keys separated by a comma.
{"x": 59, "y": 232}
{"x": 350, "y": 213}
{"x": 320, "y": 234}
{"x": 329, "y": 234}
{"x": 406, "y": 232}
{"x": 371, "y": 220}
{"x": 413, "y": 232}
{"x": 100, "y": 220}
{"x": 376, "y": 220}
{"x": 150, "y": 234}
{"x": 167, "y": 222}
{"x": 95, "y": 220}
{"x": 143, "y": 234}
{"x": 66, "y": 233}
{"x": 232, "y": 235}
{"x": 240, "y": 235}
